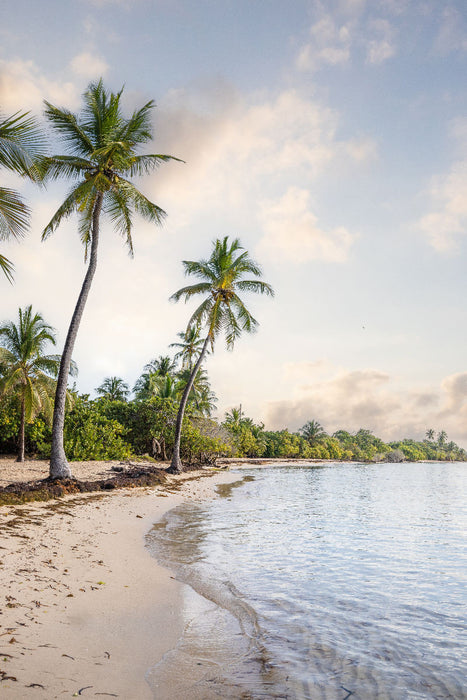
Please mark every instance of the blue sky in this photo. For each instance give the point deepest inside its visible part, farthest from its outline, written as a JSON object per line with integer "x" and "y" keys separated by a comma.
{"x": 331, "y": 137}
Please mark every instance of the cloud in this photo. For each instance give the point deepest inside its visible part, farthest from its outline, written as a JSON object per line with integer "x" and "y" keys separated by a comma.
{"x": 88, "y": 65}
{"x": 447, "y": 219}
{"x": 333, "y": 41}
{"x": 381, "y": 46}
{"x": 24, "y": 87}
{"x": 329, "y": 45}
{"x": 452, "y": 34}
{"x": 292, "y": 231}
{"x": 241, "y": 151}
{"x": 372, "y": 399}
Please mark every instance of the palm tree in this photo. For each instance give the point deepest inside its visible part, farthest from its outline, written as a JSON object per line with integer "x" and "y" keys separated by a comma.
{"x": 190, "y": 346}
{"x": 233, "y": 418}
{"x": 313, "y": 432}
{"x": 222, "y": 277}
{"x": 201, "y": 398}
{"x": 26, "y": 370}
{"x": 430, "y": 434}
{"x": 162, "y": 366}
{"x": 149, "y": 384}
{"x": 113, "y": 388}
{"x": 442, "y": 437}
{"x": 102, "y": 152}
{"x": 21, "y": 145}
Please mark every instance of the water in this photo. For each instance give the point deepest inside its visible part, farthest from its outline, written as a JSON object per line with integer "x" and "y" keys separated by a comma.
{"x": 334, "y": 582}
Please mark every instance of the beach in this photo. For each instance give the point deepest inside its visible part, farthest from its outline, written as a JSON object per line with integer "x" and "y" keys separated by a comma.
{"x": 85, "y": 608}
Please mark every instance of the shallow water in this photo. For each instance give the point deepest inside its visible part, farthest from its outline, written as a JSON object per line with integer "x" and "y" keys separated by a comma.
{"x": 334, "y": 582}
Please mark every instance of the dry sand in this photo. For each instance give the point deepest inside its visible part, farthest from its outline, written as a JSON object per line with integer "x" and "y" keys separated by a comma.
{"x": 85, "y": 609}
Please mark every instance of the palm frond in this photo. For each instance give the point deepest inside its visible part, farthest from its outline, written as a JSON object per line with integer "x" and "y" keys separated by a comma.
{"x": 147, "y": 209}
{"x": 190, "y": 290}
{"x": 21, "y": 144}
{"x": 118, "y": 207}
{"x": 54, "y": 167}
{"x": 77, "y": 198}
{"x": 146, "y": 164}
{"x": 7, "y": 267}
{"x": 255, "y": 286}
{"x": 14, "y": 214}
{"x": 76, "y": 140}
{"x": 200, "y": 268}
{"x": 249, "y": 323}
{"x": 138, "y": 128}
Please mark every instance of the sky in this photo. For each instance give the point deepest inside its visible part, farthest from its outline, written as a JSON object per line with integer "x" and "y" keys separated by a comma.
{"x": 330, "y": 137}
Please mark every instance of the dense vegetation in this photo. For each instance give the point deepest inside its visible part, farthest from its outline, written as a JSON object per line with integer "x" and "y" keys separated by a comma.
{"x": 113, "y": 427}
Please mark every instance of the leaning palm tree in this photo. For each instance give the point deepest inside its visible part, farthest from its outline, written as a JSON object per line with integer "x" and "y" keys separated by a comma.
{"x": 222, "y": 310}
{"x": 102, "y": 149}
{"x": 26, "y": 371}
{"x": 21, "y": 145}
{"x": 113, "y": 388}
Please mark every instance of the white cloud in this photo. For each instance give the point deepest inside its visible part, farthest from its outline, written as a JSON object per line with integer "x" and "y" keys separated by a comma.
{"x": 332, "y": 42}
{"x": 329, "y": 45}
{"x": 24, "y": 87}
{"x": 381, "y": 46}
{"x": 88, "y": 65}
{"x": 292, "y": 231}
{"x": 452, "y": 34}
{"x": 448, "y": 218}
{"x": 240, "y": 152}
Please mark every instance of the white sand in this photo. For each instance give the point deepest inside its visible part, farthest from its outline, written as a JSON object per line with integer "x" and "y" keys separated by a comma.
{"x": 84, "y": 605}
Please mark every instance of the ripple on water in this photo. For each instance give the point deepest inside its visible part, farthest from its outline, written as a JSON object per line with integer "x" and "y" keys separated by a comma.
{"x": 342, "y": 581}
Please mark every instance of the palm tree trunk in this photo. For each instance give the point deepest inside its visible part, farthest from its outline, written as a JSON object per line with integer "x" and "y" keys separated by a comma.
{"x": 176, "y": 466}
{"x": 20, "y": 457}
{"x": 59, "y": 467}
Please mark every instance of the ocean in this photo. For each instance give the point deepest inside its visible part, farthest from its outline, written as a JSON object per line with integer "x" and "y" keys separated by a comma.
{"x": 331, "y": 582}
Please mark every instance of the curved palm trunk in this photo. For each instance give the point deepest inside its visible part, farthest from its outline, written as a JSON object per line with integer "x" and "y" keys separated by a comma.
{"x": 59, "y": 467}
{"x": 20, "y": 457}
{"x": 176, "y": 466}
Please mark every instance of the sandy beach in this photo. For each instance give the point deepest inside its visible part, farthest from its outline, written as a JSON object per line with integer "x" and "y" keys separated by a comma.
{"x": 85, "y": 609}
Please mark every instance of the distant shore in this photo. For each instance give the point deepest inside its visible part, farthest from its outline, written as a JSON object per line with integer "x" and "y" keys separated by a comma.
{"x": 86, "y": 609}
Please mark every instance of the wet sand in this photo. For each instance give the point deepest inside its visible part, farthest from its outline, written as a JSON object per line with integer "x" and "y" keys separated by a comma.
{"x": 85, "y": 608}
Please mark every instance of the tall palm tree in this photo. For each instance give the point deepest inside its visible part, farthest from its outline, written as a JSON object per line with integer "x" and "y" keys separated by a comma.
{"x": 190, "y": 346}
{"x": 21, "y": 145}
{"x": 26, "y": 370}
{"x": 102, "y": 149}
{"x": 113, "y": 388}
{"x": 222, "y": 310}
{"x": 430, "y": 434}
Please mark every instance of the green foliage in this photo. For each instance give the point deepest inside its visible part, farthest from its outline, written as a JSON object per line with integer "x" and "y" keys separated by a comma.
{"x": 90, "y": 434}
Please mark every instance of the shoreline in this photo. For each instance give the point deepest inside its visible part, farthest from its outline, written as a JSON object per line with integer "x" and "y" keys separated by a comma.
{"x": 85, "y": 605}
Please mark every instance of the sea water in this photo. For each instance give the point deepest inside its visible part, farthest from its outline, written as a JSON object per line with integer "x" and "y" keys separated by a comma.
{"x": 328, "y": 582}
